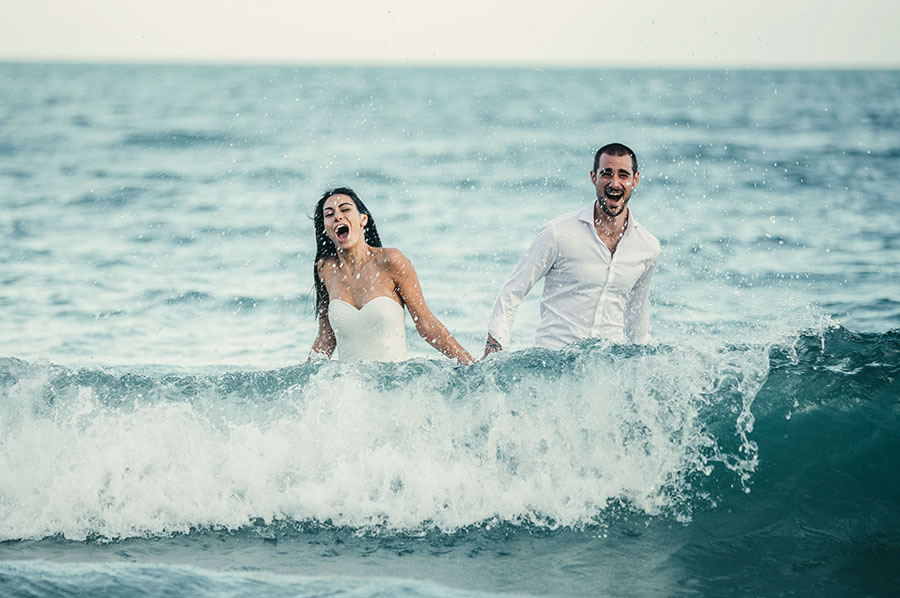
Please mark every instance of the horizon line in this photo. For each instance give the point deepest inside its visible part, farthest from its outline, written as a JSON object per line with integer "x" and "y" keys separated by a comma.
{"x": 461, "y": 64}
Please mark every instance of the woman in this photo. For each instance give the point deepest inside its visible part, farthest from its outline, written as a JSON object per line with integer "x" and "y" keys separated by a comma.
{"x": 362, "y": 288}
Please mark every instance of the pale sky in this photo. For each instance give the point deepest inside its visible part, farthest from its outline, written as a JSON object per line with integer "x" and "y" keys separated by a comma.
{"x": 621, "y": 33}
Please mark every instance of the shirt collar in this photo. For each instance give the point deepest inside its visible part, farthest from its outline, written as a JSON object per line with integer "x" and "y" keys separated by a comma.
{"x": 587, "y": 213}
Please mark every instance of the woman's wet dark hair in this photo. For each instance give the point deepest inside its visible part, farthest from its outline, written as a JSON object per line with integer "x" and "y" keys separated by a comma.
{"x": 324, "y": 246}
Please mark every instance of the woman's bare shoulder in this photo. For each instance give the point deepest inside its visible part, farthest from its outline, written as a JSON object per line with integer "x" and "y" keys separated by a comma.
{"x": 328, "y": 263}
{"x": 391, "y": 258}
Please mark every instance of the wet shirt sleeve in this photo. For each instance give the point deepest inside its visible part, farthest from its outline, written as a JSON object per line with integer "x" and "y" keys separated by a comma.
{"x": 532, "y": 266}
{"x": 637, "y": 308}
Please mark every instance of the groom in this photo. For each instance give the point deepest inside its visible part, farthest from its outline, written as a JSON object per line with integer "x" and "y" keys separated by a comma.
{"x": 597, "y": 262}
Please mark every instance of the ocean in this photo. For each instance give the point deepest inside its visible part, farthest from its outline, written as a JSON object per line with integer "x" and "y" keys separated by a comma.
{"x": 161, "y": 432}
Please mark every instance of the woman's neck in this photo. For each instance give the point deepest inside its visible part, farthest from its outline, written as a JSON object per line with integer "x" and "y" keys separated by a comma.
{"x": 354, "y": 257}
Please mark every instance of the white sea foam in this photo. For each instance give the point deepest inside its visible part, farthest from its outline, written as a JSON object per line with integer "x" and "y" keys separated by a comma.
{"x": 129, "y": 579}
{"x": 542, "y": 438}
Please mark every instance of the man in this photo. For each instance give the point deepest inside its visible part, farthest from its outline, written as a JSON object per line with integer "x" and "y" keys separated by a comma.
{"x": 597, "y": 262}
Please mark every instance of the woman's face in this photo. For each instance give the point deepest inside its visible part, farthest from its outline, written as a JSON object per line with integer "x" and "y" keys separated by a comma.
{"x": 343, "y": 223}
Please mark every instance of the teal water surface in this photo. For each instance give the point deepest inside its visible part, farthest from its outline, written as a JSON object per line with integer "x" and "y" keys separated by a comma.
{"x": 160, "y": 430}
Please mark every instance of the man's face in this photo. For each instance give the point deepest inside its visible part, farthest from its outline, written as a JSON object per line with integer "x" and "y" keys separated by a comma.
{"x": 614, "y": 179}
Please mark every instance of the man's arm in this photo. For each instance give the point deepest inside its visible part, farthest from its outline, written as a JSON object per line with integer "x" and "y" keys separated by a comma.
{"x": 637, "y": 308}
{"x": 532, "y": 266}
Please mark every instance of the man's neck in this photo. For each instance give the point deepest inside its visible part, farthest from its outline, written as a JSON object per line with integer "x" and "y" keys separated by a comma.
{"x": 610, "y": 226}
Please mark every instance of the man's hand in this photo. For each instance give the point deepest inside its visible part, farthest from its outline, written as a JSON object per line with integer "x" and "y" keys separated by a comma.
{"x": 490, "y": 346}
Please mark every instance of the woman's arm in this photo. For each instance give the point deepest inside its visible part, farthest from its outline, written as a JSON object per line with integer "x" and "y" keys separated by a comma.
{"x": 427, "y": 325}
{"x": 325, "y": 342}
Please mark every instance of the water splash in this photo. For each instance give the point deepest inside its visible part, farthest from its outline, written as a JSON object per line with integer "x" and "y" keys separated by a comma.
{"x": 540, "y": 438}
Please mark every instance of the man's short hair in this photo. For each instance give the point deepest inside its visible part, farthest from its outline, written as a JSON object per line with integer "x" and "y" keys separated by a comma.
{"x": 615, "y": 149}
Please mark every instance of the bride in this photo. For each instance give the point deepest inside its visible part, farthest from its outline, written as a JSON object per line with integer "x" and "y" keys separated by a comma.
{"x": 362, "y": 288}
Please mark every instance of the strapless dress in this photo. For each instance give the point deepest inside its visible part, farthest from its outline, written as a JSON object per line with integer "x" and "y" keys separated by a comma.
{"x": 377, "y": 332}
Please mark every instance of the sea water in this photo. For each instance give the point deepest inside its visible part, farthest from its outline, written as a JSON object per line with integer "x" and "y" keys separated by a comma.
{"x": 162, "y": 433}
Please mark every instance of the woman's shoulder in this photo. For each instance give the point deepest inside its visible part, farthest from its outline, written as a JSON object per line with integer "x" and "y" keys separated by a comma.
{"x": 324, "y": 262}
{"x": 392, "y": 260}
{"x": 388, "y": 255}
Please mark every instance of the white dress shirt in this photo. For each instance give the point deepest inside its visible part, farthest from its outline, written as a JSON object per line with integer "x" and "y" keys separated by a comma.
{"x": 588, "y": 291}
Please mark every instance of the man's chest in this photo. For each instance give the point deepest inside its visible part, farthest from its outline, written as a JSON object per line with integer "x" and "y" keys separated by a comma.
{"x": 590, "y": 266}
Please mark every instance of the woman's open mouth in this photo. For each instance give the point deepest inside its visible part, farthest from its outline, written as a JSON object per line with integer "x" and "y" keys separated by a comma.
{"x": 342, "y": 231}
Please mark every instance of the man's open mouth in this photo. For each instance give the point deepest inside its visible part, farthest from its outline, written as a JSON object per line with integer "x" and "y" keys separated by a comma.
{"x": 342, "y": 231}
{"x": 614, "y": 193}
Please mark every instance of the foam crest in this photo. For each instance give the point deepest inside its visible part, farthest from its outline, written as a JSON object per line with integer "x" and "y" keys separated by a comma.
{"x": 537, "y": 437}
{"x": 130, "y": 579}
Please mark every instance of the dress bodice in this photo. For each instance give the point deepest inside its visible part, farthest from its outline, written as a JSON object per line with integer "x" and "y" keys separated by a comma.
{"x": 376, "y": 332}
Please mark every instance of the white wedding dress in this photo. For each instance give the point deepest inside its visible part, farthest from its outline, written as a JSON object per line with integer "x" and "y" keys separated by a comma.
{"x": 376, "y": 332}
